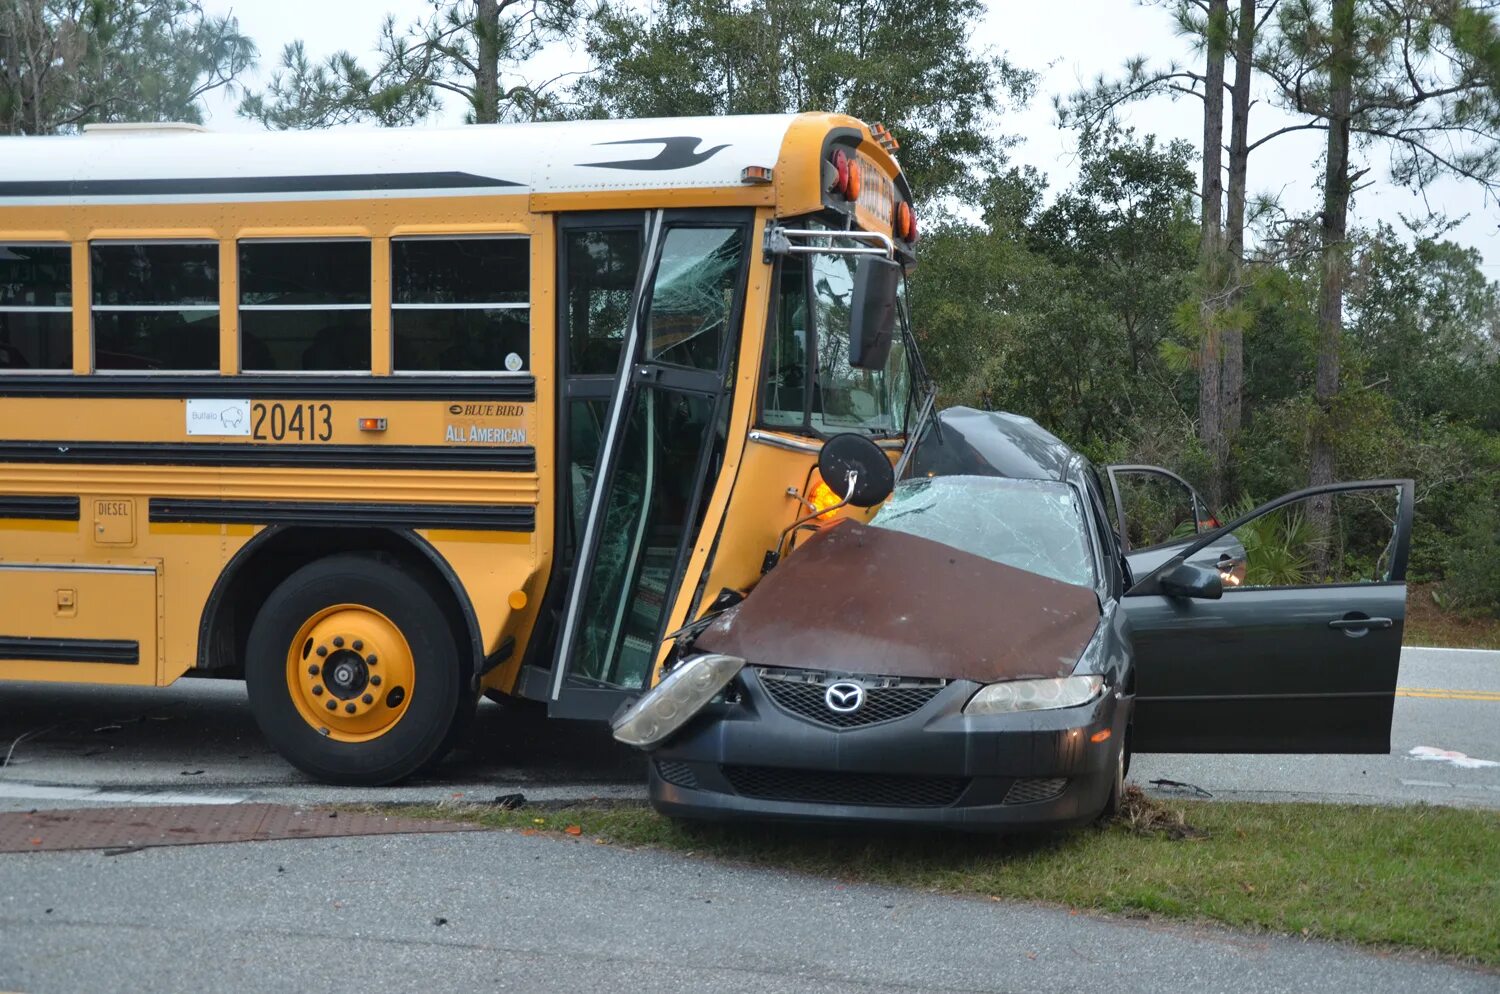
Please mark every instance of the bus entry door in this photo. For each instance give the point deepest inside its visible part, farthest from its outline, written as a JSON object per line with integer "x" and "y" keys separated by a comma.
{"x": 663, "y": 441}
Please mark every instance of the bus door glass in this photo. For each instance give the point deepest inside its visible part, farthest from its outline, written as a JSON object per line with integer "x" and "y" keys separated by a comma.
{"x": 662, "y": 443}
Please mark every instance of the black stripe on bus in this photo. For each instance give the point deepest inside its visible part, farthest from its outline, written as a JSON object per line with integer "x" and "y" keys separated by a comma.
{"x": 39, "y": 508}
{"x": 125, "y": 652}
{"x": 459, "y": 517}
{"x": 507, "y": 459}
{"x": 198, "y": 186}
{"x": 178, "y": 386}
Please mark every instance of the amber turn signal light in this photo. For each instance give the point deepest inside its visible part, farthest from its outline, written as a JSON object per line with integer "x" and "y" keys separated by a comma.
{"x": 372, "y": 424}
{"x": 823, "y": 500}
{"x": 906, "y": 222}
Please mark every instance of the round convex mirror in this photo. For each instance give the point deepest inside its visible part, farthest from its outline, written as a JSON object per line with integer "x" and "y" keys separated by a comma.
{"x": 856, "y": 454}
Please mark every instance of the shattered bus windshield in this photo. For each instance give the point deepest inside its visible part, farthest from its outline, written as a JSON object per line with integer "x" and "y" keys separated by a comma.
{"x": 1032, "y": 525}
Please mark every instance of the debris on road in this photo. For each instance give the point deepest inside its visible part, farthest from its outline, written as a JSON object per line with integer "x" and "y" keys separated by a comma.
{"x": 1178, "y": 785}
{"x": 1429, "y": 753}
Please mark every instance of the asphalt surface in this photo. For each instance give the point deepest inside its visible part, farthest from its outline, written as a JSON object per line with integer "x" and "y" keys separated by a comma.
{"x": 196, "y": 740}
{"x": 500, "y": 911}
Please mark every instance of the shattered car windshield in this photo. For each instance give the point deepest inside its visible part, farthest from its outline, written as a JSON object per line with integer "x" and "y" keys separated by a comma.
{"x": 1032, "y": 525}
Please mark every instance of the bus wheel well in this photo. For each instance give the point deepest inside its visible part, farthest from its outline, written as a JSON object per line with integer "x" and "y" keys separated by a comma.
{"x": 277, "y": 552}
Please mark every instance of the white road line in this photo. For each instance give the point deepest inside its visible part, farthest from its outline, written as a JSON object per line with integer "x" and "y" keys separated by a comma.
{"x": 42, "y": 792}
{"x": 1446, "y": 648}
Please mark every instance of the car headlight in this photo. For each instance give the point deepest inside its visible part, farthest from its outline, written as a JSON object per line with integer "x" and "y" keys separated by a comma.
{"x": 1010, "y": 696}
{"x": 681, "y": 694}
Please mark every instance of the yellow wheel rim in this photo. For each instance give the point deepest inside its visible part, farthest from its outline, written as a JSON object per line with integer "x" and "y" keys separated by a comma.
{"x": 350, "y": 673}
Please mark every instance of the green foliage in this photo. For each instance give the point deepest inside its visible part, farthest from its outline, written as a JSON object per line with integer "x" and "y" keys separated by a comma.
{"x": 465, "y": 47}
{"x": 1473, "y": 566}
{"x": 67, "y": 63}
{"x": 1278, "y": 545}
{"x": 909, "y": 66}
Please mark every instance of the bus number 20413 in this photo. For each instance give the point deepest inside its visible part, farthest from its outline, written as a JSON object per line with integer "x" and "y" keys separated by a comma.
{"x": 300, "y": 422}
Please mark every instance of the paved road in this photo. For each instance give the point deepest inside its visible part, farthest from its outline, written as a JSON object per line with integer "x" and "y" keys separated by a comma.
{"x": 92, "y": 744}
{"x": 499, "y": 911}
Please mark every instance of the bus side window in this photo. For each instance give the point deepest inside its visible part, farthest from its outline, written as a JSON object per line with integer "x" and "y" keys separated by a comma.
{"x": 36, "y": 307}
{"x": 156, "y": 305}
{"x": 304, "y": 305}
{"x": 461, "y": 304}
{"x": 601, "y": 274}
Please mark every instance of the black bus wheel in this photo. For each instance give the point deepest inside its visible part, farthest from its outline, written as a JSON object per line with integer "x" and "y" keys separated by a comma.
{"x": 352, "y": 672}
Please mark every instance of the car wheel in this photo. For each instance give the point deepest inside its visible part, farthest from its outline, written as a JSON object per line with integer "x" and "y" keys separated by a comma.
{"x": 353, "y": 672}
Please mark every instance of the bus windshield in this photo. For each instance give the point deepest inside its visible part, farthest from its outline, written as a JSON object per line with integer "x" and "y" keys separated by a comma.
{"x": 816, "y": 292}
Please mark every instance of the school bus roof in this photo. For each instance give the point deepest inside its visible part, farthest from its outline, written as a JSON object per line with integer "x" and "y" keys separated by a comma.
{"x": 688, "y": 161}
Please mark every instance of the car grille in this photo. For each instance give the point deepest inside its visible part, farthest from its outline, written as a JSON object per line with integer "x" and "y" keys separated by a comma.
{"x": 800, "y": 693}
{"x": 679, "y": 774}
{"x": 774, "y": 783}
{"x": 1030, "y": 790}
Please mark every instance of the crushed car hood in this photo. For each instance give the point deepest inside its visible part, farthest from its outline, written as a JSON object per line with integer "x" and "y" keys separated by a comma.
{"x": 857, "y": 599}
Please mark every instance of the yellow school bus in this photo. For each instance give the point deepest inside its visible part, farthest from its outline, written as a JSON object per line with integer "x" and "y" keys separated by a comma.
{"x": 385, "y": 420}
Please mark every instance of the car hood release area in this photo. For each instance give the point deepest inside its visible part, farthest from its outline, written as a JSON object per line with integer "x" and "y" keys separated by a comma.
{"x": 857, "y": 599}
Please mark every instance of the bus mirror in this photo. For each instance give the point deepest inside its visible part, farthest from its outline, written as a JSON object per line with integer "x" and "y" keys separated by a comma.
{"x": 856, "y": 469}
{"x": 872, "y": 313}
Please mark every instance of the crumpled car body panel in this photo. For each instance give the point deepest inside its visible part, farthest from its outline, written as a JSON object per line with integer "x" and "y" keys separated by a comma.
{"x": 859, "y": 599}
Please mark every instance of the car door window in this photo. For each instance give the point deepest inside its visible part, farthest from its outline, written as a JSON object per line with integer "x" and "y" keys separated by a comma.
{"x": 1157, "y": 507}
{"x": 1291, "y": 546}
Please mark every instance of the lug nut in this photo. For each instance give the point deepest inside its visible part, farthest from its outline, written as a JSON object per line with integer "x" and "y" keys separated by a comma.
{"x": 338, "y": 641}
{"x": 333, "y": 705}
{"x": 358, "y": 645}
{"x": 349, "y": 707}
{"x": 375, "y": 680}
{"x": 370, "y": 659}
{"x": 322, "y": 650}
{"x": 312, "y": 670}
{"x": 318, "y": 690}
{"x": 368, "y": 699}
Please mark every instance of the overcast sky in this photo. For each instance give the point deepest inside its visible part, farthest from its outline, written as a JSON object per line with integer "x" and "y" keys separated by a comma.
{"x": 1068, "y": 41}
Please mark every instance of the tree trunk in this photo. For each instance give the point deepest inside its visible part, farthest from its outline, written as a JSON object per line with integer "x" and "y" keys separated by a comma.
{"x": 1233, "y": 385}
{"x": 1211, "y": 254}
{"x": 487, "y": 62}
{"x": 1335, "y": 262}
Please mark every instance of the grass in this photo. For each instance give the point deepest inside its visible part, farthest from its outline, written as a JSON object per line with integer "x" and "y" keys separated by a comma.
{"x": 1429, "y": 624}
{"x": 1415, "y": 878}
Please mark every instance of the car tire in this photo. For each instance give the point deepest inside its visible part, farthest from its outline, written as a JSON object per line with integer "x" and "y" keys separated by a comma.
{"x": 353, "y": 673}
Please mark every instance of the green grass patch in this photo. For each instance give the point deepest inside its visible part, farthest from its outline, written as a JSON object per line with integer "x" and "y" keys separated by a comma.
{"x": 1420, "y": 878}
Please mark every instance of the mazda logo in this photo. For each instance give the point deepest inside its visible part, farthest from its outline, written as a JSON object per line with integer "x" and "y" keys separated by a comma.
{"x": 844, "y": 697}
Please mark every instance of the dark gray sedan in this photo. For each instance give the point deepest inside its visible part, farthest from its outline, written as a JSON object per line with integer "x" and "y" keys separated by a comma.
{"x": 982, "y": 654}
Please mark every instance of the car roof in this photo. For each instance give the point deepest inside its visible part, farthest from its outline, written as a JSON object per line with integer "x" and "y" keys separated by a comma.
{"x": 969, "y": 442}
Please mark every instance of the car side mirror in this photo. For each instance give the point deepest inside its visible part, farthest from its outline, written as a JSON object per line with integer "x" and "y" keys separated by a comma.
{"x": 872, "y": 312}
{"x": 1187, "y": 580}
{"x": 856, "y": 469}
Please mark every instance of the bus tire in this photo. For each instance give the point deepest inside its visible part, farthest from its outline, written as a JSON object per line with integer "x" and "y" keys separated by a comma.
{"x": 353, "y": 673}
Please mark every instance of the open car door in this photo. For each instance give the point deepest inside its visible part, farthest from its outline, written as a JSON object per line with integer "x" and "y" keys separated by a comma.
{"x": 1300, "y": 654}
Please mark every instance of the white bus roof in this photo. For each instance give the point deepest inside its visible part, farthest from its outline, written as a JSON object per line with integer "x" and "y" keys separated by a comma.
{"x": 114, "y": 166}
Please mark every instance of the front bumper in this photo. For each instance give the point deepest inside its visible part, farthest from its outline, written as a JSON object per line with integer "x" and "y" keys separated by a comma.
{"x": 933, "y": 767}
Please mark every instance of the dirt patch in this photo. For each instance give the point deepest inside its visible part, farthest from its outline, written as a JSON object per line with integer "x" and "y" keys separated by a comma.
{"x": 1145, "y": 815}
{"x": 121, "y": 830}
{"x": 1428, "y": 623}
